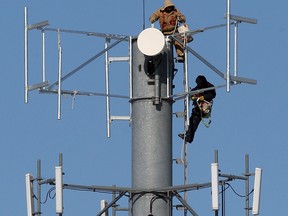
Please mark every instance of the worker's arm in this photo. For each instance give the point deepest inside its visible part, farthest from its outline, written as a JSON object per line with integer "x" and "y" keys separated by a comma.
{"x": 209, "y": 95}
{"x": 155, "y": 16}
{"x": 181, "y": 17}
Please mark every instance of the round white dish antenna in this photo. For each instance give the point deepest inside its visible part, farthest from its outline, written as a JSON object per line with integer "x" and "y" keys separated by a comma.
{"x": 151, "y": 41}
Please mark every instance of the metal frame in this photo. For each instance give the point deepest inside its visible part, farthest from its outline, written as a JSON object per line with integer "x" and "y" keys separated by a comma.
{"x": 45, "y": 87}
{"x": 230, "y": 79}
{"x": 169, "y": 192}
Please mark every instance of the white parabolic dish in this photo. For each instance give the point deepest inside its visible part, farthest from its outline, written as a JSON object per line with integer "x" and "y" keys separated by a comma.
{"x": 151, "y": 41}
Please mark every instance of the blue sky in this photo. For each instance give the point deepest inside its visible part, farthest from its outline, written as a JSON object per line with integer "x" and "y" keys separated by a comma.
{"x": 250, "y": 119}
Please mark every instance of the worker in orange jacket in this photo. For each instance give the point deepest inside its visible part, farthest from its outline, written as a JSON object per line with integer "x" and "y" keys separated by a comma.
{"x": 168, "y": 17}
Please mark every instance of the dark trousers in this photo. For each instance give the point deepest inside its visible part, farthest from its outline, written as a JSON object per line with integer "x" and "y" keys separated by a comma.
{"x": 194, "y": 121}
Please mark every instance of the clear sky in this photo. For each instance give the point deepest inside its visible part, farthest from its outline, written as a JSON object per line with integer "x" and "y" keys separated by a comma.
{"x": 250, "y": 119}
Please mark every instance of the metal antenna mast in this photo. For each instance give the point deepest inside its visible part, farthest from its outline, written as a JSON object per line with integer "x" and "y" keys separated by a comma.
{"x": 151, "y": 98}
{"x": 151, "y": 132}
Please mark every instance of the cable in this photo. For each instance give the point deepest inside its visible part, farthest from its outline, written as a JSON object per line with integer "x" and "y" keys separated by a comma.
{"x": 238, "y": 193}
{"x": 224, "y": 189}
{"x": 48, "y": 194}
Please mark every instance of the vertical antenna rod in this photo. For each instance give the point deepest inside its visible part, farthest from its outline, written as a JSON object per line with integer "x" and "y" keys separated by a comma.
{"x": 247, "y": 183}
{"x": 39, "y": 178}
{"x": 43, "y": 56}
{"x": 236, "y": 48}
{"x": 186, "y": 104}
{"x": 144, "y": 14}
{"x": 228, "y": 47}
{"x": 26, "y": 55}
{"x": 59, "y": 76}
{"x": 108, "y": 116}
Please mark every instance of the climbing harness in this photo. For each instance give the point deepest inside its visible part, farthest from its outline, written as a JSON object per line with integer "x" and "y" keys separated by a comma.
{"x": 205, "y": 108}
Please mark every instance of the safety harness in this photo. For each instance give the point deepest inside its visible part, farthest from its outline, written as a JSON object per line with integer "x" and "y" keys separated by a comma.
{"x": 205, "y": 108}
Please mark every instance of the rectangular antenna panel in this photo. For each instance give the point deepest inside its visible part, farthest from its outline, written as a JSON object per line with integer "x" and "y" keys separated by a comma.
{"x": 214, "y": 185}
{"x": 59, "y": 189}
{"x": 29, "y": 194}
{"x": 257, "y": 191}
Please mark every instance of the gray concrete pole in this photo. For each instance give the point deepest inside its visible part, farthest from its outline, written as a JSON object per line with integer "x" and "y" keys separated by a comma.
{"x": 151, "y": 132}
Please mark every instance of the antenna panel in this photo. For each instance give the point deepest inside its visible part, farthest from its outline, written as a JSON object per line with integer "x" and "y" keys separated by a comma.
{"x": 29, "y": 194}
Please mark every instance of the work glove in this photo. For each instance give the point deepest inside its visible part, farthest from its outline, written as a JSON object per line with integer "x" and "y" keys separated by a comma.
{"x": 201, "y": 98}
{"x": 193, "y": 98}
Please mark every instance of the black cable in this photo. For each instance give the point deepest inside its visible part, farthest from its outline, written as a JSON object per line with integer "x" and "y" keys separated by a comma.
{"x": 238, "y": 193}
{"x": 223, "y": 190}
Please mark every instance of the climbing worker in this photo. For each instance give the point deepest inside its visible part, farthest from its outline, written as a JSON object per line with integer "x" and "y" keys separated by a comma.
{"x": 202, "y": 107}
{"x": 168, "y": 17}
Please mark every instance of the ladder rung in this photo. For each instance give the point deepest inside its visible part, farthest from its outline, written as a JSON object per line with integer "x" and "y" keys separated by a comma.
{"x": 179, "y": 161}
{"x": 179, "y": 114}
{"x": 180, "y": 207}
{"x": 118, "y": 59}
{"x": 126, "y": 118}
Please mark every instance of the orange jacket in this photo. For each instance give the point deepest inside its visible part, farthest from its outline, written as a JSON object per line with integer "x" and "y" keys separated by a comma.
{"x": 167, "y": 21}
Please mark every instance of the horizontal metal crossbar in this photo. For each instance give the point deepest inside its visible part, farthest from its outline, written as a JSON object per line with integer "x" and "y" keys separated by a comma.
{"x": 88, "y": 33}
{"x": 82, "y": 93}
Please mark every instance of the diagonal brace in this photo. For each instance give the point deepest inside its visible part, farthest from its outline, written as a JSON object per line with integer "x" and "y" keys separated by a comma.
{"x": 184, "y": 203}
{"x": 200, "y": 58}
{"x": 205, "y": 62}
{"x": 86, "y": 63}
{"x": 112, "y": 203}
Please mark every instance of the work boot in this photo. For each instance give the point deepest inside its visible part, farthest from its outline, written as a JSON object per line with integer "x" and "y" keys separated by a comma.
{"x": 187, "y": 137}
{"x": 180, "y": 59}
{"x": 181, "y": 135}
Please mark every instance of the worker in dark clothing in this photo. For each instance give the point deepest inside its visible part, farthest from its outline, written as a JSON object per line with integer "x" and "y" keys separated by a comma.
{"x": 168, "y": 17}
{"x": 202, "y": 107}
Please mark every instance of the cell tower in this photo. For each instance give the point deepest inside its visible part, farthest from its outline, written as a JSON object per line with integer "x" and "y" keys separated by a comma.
{"x": 151, "y": 97}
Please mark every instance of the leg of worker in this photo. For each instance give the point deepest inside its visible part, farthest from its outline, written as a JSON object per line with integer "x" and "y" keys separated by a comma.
{"x": 193, "y": 125}
{"x": 179, "y": 51}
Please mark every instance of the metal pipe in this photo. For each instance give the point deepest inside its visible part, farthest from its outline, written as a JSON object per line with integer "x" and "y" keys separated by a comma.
{"x": 39, "y": 187}
{"x": 235, "y": 49}
{"x": 228, "y": 47}
{"x": 114, "y": 206}
{"x": 216, "y": 161}
{"x": 157, "y": 88}
{"x": 43, "y": 56}
{"x": 108, "y": 121}
{"x": 61, "y": 159}
{"x": 130, "y": 73}
{"x": 212, "y": 67}
{"x": 216, "y": 156}
{"x": 223, "y": 199}
{"x": 59, "y": 77}
{"x": 233, "y": 176}
{"x": 186, "y": 87}
{"x": 183, "y": 201}
{"x": 26, "y": 55}
{"x": 247, "y": 183}
{"x": 169, "y": 65}
{"x": 143, "y": 5}
{"x": 111, "y": 203}
{"x": 187, "y": 107}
